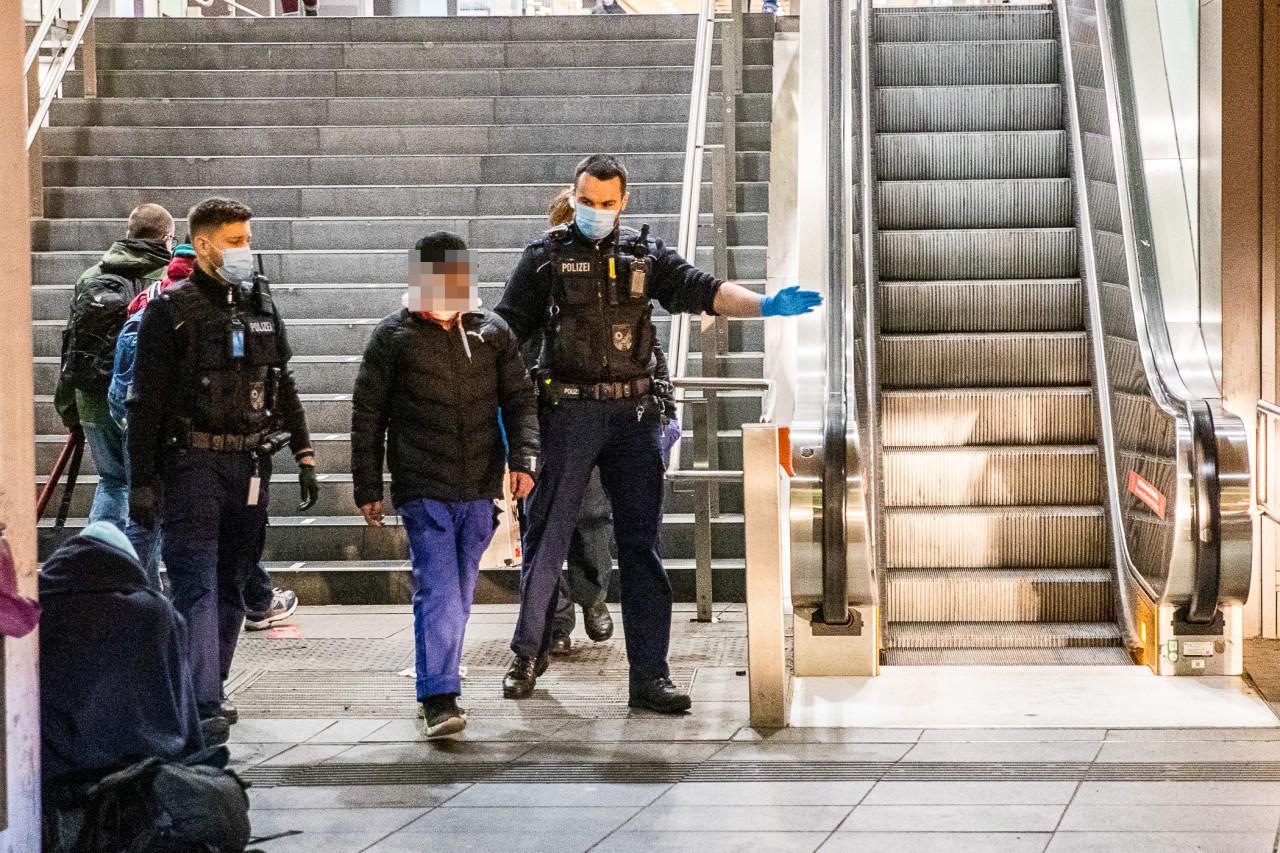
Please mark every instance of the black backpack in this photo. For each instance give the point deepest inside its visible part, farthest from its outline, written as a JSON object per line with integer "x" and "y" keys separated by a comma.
{"x": 157, "y": 806}
{"x": 98, "y": 312}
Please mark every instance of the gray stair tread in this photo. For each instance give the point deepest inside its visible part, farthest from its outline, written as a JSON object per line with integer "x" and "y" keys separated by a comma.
{"x": 682, "y": 518}
{"x": 728, "y": 564}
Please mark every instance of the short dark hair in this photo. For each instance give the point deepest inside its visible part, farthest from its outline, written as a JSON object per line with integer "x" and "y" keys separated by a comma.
{"x": 602, "y": 167}
{"x": 150, "y": 222}
{"x": 216, "y": 212}
{"x": 435, "y": 247}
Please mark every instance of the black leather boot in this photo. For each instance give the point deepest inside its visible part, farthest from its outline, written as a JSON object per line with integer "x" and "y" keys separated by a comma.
{"x": 521, "y": 678}
{"x": 659, "y": 694}
{"x": 598, "y": 622}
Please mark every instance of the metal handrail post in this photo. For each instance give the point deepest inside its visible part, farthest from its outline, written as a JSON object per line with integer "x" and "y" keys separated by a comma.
{"x": 767, "y": 534}
{"x": 731, "y": 64}
{"x": 35, "y": 158}
{"x": 54, "y": 83}
{"x": 89, "y": 59}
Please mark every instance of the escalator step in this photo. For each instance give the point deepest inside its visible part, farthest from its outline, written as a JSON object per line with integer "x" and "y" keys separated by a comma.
{"x": 1004, "y": 155}
{"x": 954, "y": 24}
{"x": 977, "y": 416}
{"x": 940, "y": 109}
{"x": 1001, "y": 635}
{"x": 999, "y": 595}
{"x": 966, "y": 63}
{"x": 977, "y": 254}
{"x": 996, "y": 359}
{"x": 1048, "y": 305}
{"x": 1007, "y": 657}
{"x": 992, "y": 476}
{"x": 1003, "y": 203}
{"x": 995, "y": 537}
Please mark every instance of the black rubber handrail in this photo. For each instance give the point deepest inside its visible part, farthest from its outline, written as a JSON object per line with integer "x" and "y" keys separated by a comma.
{"x": 1202, "y": 609}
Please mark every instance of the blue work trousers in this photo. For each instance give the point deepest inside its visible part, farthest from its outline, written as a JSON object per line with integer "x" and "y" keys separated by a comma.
{"x": 446, "y": 541}
{"x": 622, "y": 438}
{"x": 212, "y": 539}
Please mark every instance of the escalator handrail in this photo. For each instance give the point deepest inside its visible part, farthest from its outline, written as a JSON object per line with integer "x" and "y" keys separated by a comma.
{"x": 1164, "y": 380}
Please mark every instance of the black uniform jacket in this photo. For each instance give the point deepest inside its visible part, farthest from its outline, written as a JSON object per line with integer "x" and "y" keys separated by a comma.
{"x": 429, "y": 398}
{"x": 674, "y": 283}
{"x": 157, "y": 400}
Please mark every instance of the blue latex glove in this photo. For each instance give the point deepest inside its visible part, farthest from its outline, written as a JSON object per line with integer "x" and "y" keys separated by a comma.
{"x": 670, "y": 435}
{"x": 789, "y": 302}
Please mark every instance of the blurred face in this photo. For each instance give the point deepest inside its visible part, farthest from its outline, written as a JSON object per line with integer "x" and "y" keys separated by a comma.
{"x": 210, "y": 244}
{"x": 443, "y": 288}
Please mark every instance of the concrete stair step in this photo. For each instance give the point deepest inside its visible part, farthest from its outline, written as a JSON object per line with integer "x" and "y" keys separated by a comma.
{"x": 987, "y": 155}
{"x": 1019, "y": 475}
{"x": 997, "y": 253}
{"x": 331, "y": 413}
{"x": 347, "y": 538}
{"x": 999, "y": 595}
{"x": 943, "y": 109}
{"x": 963, "y": 417}
{"x": 492, "y": 30}
{"x": 379, "y": 141}
{"x": 1048, "y": 305}
{"x": 1003, "y": 203}
{"x": 391, "y": 83}
{"x": 940, "y": 23}
{"x": 990, "y": 359}
{"x": 369, "y": 232}
{"x": 373, "y": 265}
{"x": 366, "y": 55}
{"x": 455, "y": 200}
{"x": 393, "y": 170}
{"x": 966, "y": 63}
{"x": 411, "y": 111}
{"x": 996, "y": 537}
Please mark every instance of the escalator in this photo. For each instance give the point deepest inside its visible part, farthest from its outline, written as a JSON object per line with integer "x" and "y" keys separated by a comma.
{"x": 1030, "y": 480}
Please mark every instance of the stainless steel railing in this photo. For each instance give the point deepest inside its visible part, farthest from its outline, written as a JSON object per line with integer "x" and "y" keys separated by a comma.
{"x": 1181, "y": 532}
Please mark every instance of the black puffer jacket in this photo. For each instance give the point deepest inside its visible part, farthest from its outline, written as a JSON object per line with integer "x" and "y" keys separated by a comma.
{"x": 431, "y": 404}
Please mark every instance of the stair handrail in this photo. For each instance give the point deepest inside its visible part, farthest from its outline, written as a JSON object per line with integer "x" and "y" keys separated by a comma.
{"x": 1204, "y": 432}
{"x": 53, "y": 83}
{"x": 42, "y": 32}
{"x": 691, "y": 194}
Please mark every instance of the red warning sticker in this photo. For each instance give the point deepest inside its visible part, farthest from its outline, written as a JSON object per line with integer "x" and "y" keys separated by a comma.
{"x": 1147, "y": 493}
{"x": 286, "y": 632}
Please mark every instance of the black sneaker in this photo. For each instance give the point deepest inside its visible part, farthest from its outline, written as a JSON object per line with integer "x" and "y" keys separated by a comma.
{"x": 561, "y": 643}
{"x": 229, "y": 712}
{"x": 215, "y": 730}
{"x": 443, "y": 716}
{"x": 522, "y": 677}
{"x": 598, "y": 622}
{"x": 659, "y": 694}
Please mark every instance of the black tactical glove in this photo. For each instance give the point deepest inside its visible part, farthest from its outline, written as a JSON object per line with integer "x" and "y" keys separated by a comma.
{"x": 144, "y": 507}
{"x": 310, "y": 486}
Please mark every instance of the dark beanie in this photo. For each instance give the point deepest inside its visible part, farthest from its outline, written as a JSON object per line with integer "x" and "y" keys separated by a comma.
{"x": 434, "y": 247}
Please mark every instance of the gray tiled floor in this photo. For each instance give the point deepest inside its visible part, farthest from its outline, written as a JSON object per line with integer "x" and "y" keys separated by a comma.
{"x": 788, "y": 815}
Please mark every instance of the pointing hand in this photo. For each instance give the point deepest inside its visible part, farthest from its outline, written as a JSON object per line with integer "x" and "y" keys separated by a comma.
{"x": 790, "y": 302}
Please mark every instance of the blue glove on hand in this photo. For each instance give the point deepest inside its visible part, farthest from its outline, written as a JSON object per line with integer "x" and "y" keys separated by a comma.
{"x": 789, "y": 302}
{"x": 670, "y": 435}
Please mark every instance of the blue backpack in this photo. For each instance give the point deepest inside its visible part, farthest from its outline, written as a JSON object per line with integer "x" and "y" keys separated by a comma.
{"x": 120, "y": 391}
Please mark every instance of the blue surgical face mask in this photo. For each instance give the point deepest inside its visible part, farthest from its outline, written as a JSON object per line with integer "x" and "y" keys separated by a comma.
{"x": 594, "y": 224}
{"x": 237, "y": 265}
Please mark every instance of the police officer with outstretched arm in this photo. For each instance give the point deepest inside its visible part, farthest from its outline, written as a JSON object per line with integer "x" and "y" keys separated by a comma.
{"x": 590, "y": 287}
{"x": 213, "y": 398}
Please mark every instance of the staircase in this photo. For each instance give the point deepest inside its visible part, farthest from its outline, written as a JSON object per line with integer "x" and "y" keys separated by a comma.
{"x": 352, "y": 137}
{"x": 996, "y": 539}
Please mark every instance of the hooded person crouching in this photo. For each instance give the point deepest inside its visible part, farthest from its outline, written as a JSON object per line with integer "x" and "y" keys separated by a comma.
{"x": 440, "y": 382}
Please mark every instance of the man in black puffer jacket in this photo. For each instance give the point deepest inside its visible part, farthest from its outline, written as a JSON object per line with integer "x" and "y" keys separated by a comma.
{"x": 440, "y": 383}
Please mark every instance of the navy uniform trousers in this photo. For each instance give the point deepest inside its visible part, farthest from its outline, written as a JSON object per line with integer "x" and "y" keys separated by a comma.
{"x": 622, "y": 438}
{"x": 212, "y": 540}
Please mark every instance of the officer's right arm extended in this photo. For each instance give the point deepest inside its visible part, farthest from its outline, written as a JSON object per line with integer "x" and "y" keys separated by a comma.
{"x": 681, "y": 287}
{"x": 370, "y": 415}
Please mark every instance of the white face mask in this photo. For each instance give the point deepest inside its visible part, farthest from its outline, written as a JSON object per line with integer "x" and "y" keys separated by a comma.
{"x": 237, "y": 265}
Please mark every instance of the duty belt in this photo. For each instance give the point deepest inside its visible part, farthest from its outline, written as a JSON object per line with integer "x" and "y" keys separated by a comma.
{"x": 630, "y": 389}
{"x": 227, "y": 443}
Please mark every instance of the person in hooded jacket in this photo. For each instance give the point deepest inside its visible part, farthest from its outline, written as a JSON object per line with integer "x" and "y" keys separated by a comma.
{"x": 115, "y": 682}
{"x": 98, "y": 311}
{"x": 440, "y": 383}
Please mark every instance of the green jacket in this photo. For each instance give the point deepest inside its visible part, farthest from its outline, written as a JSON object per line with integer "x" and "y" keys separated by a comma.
{"x": 145, "y": 262}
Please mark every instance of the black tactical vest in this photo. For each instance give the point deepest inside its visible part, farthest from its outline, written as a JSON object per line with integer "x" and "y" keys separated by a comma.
{"x": 230, "y": 366}
{"x": 599, "y": 326}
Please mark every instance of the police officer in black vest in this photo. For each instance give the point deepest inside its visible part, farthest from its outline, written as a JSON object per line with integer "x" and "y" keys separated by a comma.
{"x": 589, "y": 287}
{"x": 213, "y": 397}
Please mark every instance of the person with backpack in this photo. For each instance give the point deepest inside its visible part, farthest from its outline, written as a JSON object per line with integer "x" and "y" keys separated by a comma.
{"x": 99, "y": 309}
{"x": 440, "y": 382}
